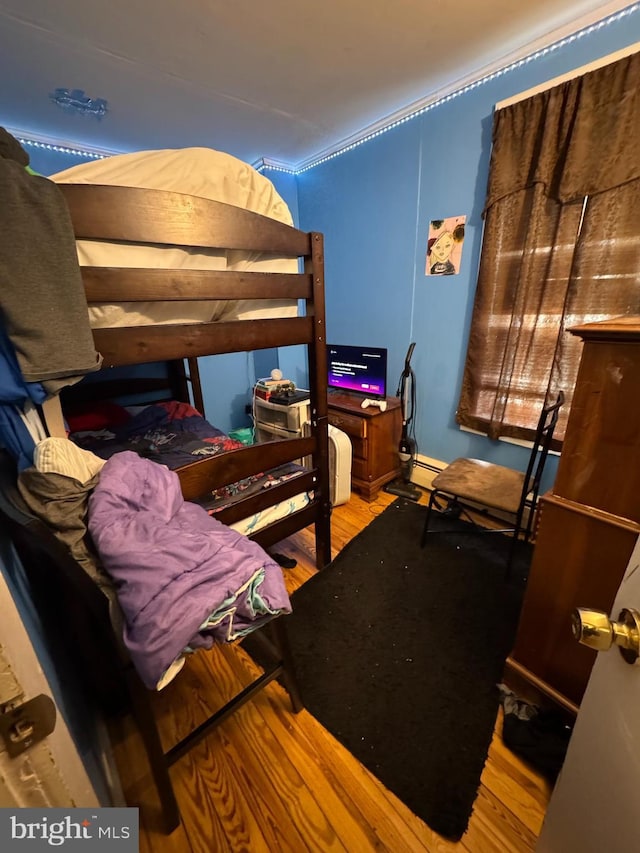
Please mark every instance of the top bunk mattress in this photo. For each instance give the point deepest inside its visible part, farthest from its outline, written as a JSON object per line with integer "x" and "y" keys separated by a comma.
{"x": 200, "y": 172}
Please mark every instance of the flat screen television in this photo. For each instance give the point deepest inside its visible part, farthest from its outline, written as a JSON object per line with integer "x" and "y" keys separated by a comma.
{"x": 358, "y": 370}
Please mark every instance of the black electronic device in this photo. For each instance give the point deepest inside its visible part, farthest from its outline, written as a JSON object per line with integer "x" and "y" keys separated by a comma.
{"x": 358, "y": 370}
{"x": 402, "y": 486}
{"x": 287, "y": 398}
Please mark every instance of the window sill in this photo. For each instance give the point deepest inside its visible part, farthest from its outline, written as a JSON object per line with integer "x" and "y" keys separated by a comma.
{"x": 517, "y": 441}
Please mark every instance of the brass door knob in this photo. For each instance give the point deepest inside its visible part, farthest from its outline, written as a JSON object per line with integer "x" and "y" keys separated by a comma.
{"x": 593, "y": 628}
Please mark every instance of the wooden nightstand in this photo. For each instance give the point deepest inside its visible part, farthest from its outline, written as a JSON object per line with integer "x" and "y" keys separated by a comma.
{"x": 374, "y": 435}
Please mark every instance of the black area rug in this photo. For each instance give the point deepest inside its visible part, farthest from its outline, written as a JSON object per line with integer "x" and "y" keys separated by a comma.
{"x": 398, "y": 651}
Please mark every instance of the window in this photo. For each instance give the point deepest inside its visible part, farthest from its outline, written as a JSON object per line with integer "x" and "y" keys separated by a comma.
{"x": 561, "y": 244}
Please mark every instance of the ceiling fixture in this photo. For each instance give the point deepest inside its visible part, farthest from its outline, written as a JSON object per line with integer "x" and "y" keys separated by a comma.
{"x": 75, "y": 101}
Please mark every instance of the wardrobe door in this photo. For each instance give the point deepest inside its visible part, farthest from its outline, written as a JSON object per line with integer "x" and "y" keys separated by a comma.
{"x": 600, "y": 462}
{"x": 589, "y": 522}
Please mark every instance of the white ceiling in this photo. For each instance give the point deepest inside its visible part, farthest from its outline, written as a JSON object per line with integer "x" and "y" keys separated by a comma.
{"x": 284, "y": 80}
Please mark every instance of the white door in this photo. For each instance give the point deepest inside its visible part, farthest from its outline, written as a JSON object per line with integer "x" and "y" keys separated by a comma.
{"x": 49, "y": 773}
{"x": 596, "y": 802}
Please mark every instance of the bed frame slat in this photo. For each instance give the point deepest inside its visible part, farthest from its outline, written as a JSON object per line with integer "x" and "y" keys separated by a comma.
{"x": 135, "y": 215}
{"x": 143, "y": 344}
{"x": 255, "y": 503}
{"x": 115, "y": 284}
{"x": 200, "y": 477}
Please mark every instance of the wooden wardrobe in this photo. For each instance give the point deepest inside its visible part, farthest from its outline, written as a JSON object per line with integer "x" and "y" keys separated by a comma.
{"x": 590, "y": 520}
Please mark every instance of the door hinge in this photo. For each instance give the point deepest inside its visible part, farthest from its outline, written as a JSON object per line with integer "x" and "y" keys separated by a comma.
{"x": 26, "y": 724}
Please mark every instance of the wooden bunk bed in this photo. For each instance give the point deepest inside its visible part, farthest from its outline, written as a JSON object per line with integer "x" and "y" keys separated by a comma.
{"x": 156, "y": 217}
{"x": 162, "y": 218}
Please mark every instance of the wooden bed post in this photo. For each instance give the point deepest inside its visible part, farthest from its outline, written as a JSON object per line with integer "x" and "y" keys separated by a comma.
{"x": 318, "y": 381}
{"x": 183, "y": 381}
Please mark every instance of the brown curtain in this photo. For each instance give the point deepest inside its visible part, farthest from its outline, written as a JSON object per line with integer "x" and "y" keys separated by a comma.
{"x": 561, "y": 244}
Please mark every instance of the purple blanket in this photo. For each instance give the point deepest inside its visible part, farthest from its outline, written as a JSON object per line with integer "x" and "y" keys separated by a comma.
{"x": 183, "y": 579}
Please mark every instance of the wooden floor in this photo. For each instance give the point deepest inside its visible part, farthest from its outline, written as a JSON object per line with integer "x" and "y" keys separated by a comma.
{"x": 269, "y": 780}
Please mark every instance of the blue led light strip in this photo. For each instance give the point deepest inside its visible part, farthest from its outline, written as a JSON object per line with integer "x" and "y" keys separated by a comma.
{"x": 63, "y": 149}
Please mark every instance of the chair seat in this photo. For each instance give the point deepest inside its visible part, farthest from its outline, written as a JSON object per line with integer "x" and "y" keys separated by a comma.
{"x": 475, "y": 484}
{"x": 483, "y": 483}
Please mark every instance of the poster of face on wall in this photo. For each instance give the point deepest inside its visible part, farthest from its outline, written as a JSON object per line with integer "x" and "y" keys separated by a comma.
{"x": 444, "y": 245}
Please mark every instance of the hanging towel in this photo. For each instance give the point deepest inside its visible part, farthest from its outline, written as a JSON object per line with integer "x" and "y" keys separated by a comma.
{"x": 42, "y": 298}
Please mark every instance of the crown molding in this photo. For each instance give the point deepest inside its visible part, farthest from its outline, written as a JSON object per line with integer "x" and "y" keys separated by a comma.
{"x": 39, "y": 140}
{"x": 275, "y": 165}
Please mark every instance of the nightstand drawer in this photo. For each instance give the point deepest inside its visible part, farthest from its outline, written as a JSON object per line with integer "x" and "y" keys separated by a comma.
{"x": 354, "y": 426}
{"x": 359, "y": 468}
{"x": 359, "y": 446}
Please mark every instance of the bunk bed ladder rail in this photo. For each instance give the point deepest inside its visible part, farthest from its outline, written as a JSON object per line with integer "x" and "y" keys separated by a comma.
{"x": 314, "y": 264}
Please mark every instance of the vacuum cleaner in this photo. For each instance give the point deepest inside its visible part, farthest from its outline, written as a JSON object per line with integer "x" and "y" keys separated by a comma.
{"x": 402, "y": 486}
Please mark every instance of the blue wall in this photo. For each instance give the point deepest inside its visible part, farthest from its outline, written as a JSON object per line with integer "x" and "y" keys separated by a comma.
{"x": 374, "y": 204}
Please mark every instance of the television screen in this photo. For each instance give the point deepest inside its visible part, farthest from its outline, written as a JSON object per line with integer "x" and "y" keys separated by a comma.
{"x": 362, "y": 370}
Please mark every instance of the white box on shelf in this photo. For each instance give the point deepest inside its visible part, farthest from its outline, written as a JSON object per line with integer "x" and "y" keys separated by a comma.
{"x": 274, "y": 421}
{"x": 283, "y": 418}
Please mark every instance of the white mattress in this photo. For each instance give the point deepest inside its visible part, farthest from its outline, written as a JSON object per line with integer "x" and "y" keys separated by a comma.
{"x": 194, "y": 171}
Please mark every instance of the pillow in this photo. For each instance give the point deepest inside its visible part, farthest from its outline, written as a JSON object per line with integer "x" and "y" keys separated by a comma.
{"x": 93, "y": 416}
